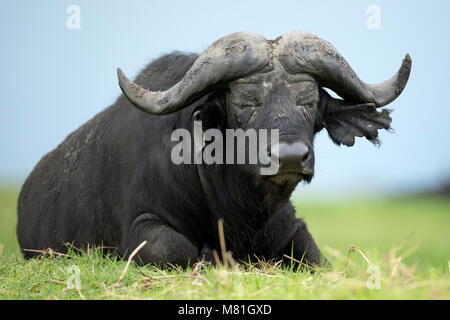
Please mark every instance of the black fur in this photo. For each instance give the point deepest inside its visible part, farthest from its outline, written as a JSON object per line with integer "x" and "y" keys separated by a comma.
{"x": 111, "y": 182}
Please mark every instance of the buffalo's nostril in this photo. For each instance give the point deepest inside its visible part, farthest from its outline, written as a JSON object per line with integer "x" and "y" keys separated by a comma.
{"x": 293, "y": 154}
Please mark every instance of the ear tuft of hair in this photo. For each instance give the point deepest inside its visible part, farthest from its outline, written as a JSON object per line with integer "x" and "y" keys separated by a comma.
{"x": 346, "y": 120}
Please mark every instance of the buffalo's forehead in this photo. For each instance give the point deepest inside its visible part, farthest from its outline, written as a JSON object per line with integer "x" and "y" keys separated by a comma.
{"x": 300, "y": 85}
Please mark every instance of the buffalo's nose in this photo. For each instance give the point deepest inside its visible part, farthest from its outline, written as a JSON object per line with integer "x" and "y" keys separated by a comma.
{"x": 292, "y": 155}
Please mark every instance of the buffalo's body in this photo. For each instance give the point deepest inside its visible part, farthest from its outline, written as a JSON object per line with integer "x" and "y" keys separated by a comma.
{"x": 112, "y": 183}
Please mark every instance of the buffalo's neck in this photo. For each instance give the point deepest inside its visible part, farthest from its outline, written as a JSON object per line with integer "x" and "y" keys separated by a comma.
{"x": 245, "y": 207}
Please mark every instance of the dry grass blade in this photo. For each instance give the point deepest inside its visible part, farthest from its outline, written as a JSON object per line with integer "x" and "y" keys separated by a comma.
{"x": 154, "y": 267}
{"x": 216, "y": 257}
{"x": 364, "y": 256}
{"x": 178, "y": 268}
{"x": 166, "y": 279}
{"x": 81, "y": 295}
{"x": 302, "y": 263}
{"x": 130, "y": 258}
{"x": 350, "y": 250}
{"x": 227, "y": 256}
{"x": 354, "y": 249}
{"x": 274, "y": 267}
{"x": 198, "y": 267}
{"x": 395, "y": 264}
{"x": 222, "y": 240}
{"x": 173, "y": 276}
{"x": 47, "y": 252}
{"x": 71, "y": 246}
{"x": 55, "y": 281}
{"x": 231, "y": 262}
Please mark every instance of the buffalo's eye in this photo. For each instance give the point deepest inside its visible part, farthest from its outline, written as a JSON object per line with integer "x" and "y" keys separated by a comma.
{"x": 248, "y": 102}
{"x": 305, "y": 92}
{"x": 244, "y": 95}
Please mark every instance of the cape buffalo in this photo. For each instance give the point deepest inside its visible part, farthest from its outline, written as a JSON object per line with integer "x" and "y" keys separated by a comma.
{"x": 112, "y": 181}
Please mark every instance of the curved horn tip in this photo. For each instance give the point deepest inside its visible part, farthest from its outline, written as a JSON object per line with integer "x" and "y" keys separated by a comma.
{"x": 386, "y": 92}
{"x": 404, "y": 73}
{"x": 123, "y": 80}
{"x": 408, "y": 58}
{"x": 406, "y": 64}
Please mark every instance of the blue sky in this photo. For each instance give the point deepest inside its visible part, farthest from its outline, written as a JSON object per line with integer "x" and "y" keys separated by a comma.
{"x": 55, "y": 79}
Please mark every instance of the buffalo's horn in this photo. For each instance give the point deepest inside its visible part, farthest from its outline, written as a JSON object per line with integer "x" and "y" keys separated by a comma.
{"x": 301, "y": 51}
{"x": 230, "y": 57}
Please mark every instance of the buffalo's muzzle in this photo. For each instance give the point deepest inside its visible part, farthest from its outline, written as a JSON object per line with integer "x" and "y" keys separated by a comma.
{"x": 294, "y": 163}
{"x": 293, "y": 156}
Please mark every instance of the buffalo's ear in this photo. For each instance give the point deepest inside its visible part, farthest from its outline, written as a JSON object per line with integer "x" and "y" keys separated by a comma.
{"x": 346, "y": 120}
{"x": 210, "y": 112}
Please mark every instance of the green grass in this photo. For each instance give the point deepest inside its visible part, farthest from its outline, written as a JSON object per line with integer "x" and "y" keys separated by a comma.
{"x": 378, "y": 225}
{"x": 8, "y": 220}
{"x": 407, "y": 239}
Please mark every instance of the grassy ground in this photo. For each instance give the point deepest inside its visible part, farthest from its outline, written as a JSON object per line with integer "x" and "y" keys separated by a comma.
{"x": 403, "y": 241}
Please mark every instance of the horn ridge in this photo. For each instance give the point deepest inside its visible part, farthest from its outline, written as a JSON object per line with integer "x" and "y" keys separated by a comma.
{"x": 232, "y": 56}
{"x": 301, "y": 51}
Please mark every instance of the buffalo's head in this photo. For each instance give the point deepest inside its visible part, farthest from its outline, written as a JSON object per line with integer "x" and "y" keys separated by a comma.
{"x": 279, "y": 85}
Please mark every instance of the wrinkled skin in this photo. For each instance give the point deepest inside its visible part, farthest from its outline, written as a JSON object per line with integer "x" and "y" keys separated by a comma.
{"x": 278, "y": 100}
